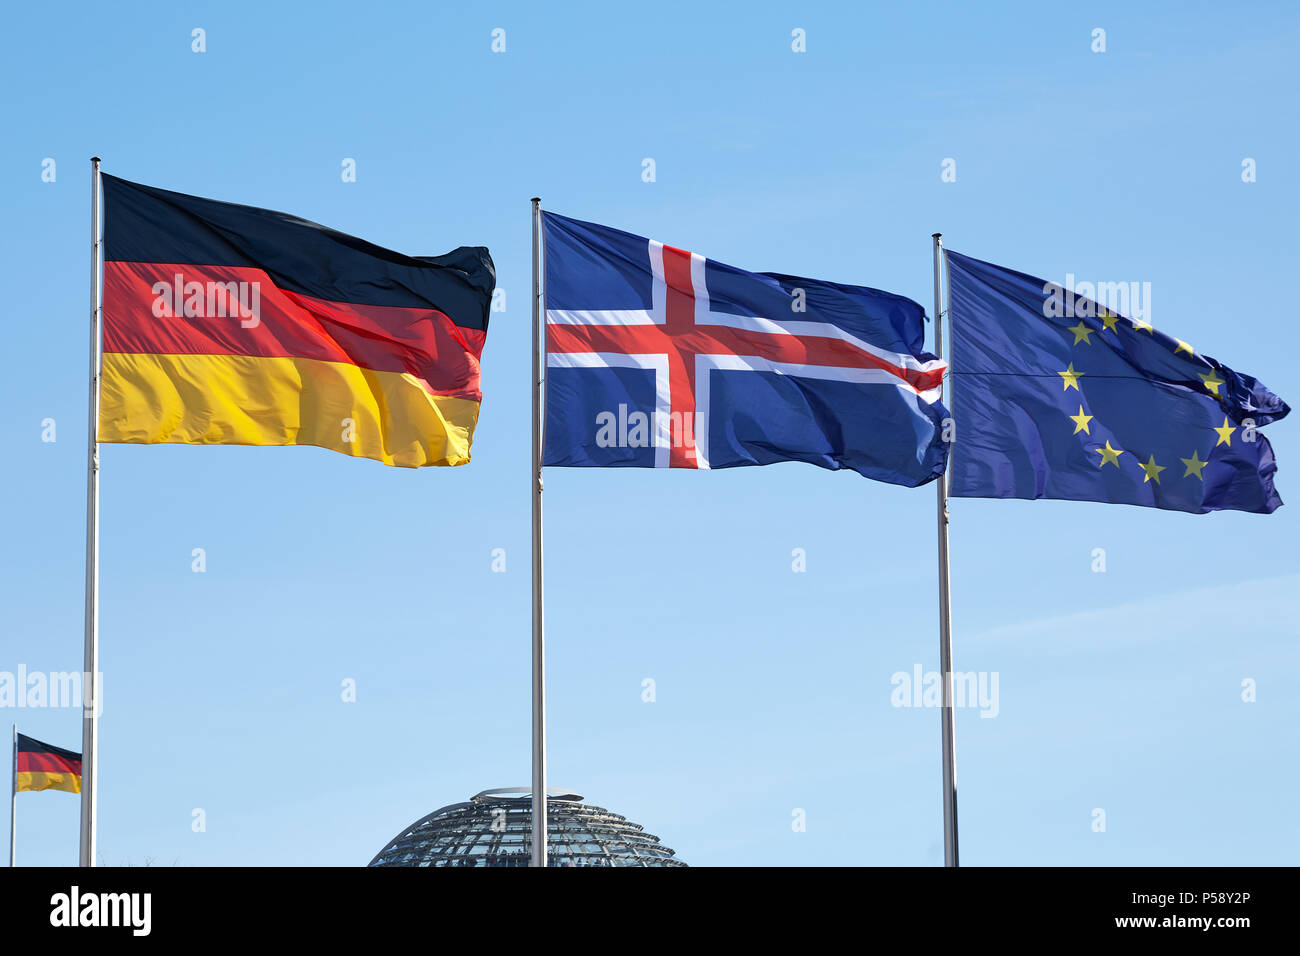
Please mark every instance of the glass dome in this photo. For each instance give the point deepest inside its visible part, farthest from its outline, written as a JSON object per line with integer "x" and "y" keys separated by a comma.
{"x": 494, "y": 828}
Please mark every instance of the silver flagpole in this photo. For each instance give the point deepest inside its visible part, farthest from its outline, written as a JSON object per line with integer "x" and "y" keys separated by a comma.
{"x": 13, "y": 803}
{"x": 89, "y": 682}
{"x": 945, "y": 604}
{"x": 539, "y": 628}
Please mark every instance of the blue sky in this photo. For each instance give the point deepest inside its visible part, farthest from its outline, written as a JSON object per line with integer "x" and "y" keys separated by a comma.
{"x": 1119, "y": 691}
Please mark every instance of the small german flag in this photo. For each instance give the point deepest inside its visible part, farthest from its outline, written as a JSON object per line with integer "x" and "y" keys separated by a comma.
{"x": 39, "y": 766}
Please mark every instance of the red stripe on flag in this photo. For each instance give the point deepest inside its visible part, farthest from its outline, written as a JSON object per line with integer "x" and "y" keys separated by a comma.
{"x": 142, "y": 302}
{"x": 46, "y": 763}
{"x": 723, "y": 340}
{"x": 680, "y": 321}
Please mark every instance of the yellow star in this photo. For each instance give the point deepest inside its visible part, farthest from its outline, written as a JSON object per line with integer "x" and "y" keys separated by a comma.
{"x": 1081, "y": 333}
{"x": 1081, "y": 421}
{"x": 1184, "y": 347}
{"x": 1212, "y": 382}
{"x": 1109, "y": 454}
{"x": 1194, "y": 465}
{"x": 1071, "y": 378}
{"x": 1142, "y": 324}
{"x": 1108, "y": 319}
{"x": 1225, "y": 433}
{"x": 1152, "y": 470}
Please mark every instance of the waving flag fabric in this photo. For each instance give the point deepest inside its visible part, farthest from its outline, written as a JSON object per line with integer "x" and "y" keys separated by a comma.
{"x": 660, "y": 358}
{"x": 228, "y": 324}
{"x": 41, "y": 766}
{"x": 1056, "y": 396}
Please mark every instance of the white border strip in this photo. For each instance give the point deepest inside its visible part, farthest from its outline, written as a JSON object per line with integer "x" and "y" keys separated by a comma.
{"x": 662, "y": 438}
{"x": 657, "y": 314}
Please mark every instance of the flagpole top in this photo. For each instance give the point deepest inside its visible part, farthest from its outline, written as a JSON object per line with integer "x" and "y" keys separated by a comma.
{"x": 935, "y": 235}
{"x": 535, "y": 199}
{"x": 95, "y": 159}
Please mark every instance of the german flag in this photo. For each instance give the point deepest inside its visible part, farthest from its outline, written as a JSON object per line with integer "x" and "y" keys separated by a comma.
{"x": 232, "y": 325}
{"x": 39, "y": 766}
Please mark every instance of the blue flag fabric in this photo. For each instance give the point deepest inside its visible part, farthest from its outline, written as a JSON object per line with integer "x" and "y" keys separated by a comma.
{"x": 660, "y": 358}
{"x": 1056, "y": 396}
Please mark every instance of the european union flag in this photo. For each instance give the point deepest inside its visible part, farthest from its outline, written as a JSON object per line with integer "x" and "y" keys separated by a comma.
{"x": 1056, "y": 396}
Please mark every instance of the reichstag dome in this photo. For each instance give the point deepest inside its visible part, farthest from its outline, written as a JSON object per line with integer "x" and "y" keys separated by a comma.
{"x": 494, "y": 829}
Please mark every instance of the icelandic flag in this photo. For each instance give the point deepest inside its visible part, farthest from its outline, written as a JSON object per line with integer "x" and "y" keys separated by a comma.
{"x": 660, "y": 358}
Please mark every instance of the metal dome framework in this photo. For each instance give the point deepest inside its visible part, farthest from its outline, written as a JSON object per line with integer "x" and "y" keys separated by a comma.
{"x": 494, "y": 828}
